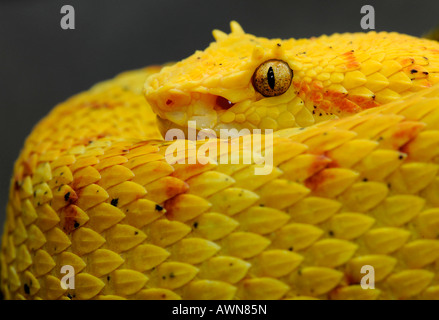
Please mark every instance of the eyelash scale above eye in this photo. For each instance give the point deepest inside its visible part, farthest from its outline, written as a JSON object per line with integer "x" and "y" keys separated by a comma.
{"x": 272, "y": 78}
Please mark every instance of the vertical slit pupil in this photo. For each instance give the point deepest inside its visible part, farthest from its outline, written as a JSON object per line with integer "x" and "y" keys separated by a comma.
{"x": 270, "y": 78}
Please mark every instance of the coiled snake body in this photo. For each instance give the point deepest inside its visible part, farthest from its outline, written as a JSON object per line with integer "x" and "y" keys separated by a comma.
{"x": 355, "y": 180}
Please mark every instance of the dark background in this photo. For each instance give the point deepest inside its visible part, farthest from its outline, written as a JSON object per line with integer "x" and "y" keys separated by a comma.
{"x": 41, "y": 64}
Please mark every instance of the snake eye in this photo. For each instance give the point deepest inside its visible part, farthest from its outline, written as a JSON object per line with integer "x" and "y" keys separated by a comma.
{"x": 272, "y": 78}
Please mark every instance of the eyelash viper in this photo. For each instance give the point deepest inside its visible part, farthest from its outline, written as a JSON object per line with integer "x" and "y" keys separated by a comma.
{"x": 355, "y": 182}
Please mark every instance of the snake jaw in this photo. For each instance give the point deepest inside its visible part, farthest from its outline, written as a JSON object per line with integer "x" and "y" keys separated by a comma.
{"x": 164, "y": 126}
{"x": 216, "y": 112}
{"x": 202, "y": 110}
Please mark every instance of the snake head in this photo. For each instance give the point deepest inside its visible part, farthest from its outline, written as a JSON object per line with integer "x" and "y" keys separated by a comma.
{"x": 239, "y": 81}
{"x": 245, "y": 82}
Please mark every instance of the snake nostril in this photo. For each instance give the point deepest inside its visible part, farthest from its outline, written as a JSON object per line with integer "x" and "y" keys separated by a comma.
{"x": 223, "y": 102}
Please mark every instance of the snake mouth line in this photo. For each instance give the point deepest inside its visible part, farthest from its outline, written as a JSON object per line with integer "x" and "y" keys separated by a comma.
{"x": 204, "y": 110}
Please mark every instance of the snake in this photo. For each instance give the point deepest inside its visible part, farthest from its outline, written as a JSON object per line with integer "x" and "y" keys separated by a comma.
{"x": 354, "y": 120}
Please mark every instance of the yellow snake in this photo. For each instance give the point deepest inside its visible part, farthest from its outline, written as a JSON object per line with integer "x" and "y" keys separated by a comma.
{"x": 355, "y": 178}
